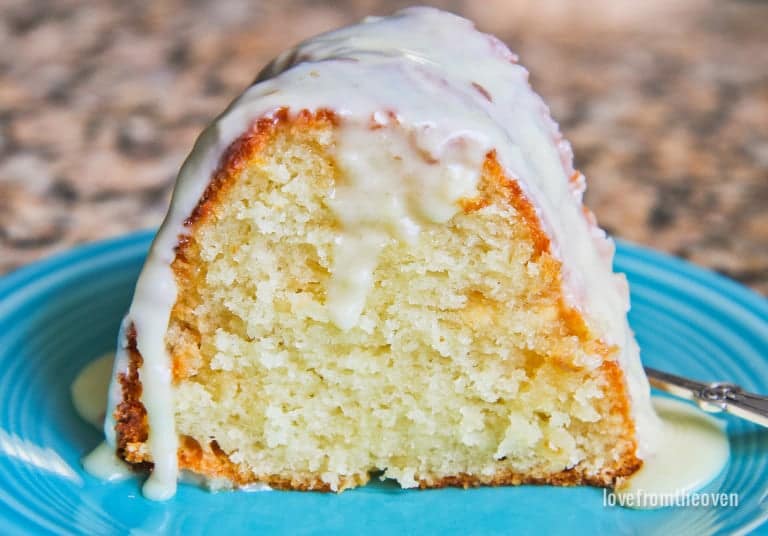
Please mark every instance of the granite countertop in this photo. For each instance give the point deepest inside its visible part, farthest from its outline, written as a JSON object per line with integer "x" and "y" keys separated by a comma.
{"x": 665, "y": 103}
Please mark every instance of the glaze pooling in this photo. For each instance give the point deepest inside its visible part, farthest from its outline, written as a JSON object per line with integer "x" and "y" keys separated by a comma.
{"x": 692, "y": 451}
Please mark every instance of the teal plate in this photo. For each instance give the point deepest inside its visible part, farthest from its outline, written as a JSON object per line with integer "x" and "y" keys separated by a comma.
{"x": 58, "y": 314}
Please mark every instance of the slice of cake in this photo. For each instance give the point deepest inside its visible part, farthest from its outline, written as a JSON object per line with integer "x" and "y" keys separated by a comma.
{"x": 377, "y": 260}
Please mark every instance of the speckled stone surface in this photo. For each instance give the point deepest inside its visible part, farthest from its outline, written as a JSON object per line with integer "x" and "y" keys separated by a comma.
{"x": 666, "y": 104}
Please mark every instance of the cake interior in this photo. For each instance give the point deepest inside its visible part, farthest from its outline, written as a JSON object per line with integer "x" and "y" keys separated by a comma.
{"x": 466, "y": 366}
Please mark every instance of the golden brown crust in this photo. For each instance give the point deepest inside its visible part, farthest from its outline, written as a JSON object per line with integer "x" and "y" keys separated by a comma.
{"x": 245, "y": 148}
{"x": 520, "y": 202}
{"x": 211, "y": 461}
{"x": 130, "y": 415}
{"x": 619, "y": 408}
{"x": 567, "y": 477}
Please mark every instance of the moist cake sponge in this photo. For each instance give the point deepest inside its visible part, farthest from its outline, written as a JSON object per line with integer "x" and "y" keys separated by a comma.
{"x": 381, "y": 287}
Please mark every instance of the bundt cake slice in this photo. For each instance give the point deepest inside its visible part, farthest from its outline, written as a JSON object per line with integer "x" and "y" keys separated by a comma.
{"x": 377, "y": 261}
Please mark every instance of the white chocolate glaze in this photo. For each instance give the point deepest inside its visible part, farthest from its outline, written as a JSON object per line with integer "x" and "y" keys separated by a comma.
{"x": 693, "y": 450}
{"x": 105, "y": 465}
{"x": 389, "y": 194}
{"x": 456, "y": 94}
{"x": 114, "y": 393}
{"x": 89, "y": 394}
{"x": 89, "y": 390}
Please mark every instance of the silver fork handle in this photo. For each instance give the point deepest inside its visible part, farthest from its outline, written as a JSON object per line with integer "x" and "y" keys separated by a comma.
{"x": 733, "y": 399}
{"x": 713, "y": 397}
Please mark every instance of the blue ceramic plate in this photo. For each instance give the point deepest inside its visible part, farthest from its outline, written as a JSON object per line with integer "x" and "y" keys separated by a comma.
{"x": 57, "y": 315}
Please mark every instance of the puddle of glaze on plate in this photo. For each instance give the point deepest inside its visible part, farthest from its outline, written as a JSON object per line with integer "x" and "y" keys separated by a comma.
{"x": 692, "y": 451}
